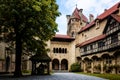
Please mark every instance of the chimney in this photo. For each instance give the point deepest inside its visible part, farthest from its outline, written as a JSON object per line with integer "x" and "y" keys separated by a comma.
{"x": 91, "y": 17}
{"x": 80, "y": 13}
{"x": 80, "y": 10}
{"x": 68, "y": 17}
{"x": 105, "y": 10}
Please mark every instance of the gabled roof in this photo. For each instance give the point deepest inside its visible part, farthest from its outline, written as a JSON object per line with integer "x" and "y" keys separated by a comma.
{"x": 101, "y": 16}
{"x": 109, "y": 11}
{"x": 87, "y": 27}
{"x": 60, "y": 37}
{"x": 97, "y": 38}
{"x": 41, "y": 57}
{"x": 114, "y": 16}
{"x": 76, "y": 15}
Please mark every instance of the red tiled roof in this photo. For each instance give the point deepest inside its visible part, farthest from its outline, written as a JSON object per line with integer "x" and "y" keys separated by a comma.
{"x": 102, "y": 16}
{"x": 109, "y": 11}
{"x": 91, "y": 40}
{"x": 76, "y": 15}
{"x": 87, "y": 26}
{"x": 116, "y": 17}
{"x": 62, "y": 36}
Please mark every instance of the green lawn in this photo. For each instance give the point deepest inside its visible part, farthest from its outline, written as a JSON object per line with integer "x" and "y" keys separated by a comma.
{"x": 106, "y": 76}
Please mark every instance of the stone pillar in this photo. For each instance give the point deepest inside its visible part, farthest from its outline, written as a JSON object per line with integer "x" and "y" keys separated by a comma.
{"x": 92, "y": 67}
{"x": 102, "y": 71}
{"x": 59, "y": 67}
{"x": 84, "y": 68}
{"x": 50, "y": 64}
{"x": 113, "y": 63}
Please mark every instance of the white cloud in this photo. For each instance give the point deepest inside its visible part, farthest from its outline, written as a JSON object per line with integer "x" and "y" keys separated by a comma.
{"x": 62, "y": 24}
{"x": 95, "y": 7}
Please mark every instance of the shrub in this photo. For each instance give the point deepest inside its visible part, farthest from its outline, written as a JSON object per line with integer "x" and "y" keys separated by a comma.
{"x": 26, "y": 71}
{"x": 75, "y": 67}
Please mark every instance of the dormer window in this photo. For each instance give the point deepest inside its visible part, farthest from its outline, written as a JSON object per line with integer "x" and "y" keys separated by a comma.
{"x": 97, "y": 24}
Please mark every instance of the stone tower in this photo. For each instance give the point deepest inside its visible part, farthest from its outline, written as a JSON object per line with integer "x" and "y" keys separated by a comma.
{"x": 75, "y": 22}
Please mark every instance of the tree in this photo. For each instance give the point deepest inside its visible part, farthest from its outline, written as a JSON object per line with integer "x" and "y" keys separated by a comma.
{"x": 23, "y": 21}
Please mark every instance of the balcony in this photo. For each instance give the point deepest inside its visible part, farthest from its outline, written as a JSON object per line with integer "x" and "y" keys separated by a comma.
{"x": 101, "y": 49}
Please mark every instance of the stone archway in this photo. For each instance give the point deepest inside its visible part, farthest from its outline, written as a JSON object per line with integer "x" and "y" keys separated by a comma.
{"x": 55, "y": 64}
{"x": 116, "y": 62}
{"x": 64, "y": 64}
{"x": 96, "y": 64}
{"x": 87, "y": 64}
{"x": 106, "y": 63}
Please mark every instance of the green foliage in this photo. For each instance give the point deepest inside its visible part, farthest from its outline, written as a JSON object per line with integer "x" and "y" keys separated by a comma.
{"x": 28, "y": 24}
{"x": 106, "y": 76}
{"x": 116, "y": 66}
{"x": 26, "y": 71}
{"x": 75, "y": 67}
{"x": 98, "y": 67}
{"x": 29, "y": 18}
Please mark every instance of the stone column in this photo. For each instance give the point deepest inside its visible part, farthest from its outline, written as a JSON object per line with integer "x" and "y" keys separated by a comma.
{"x": 102, "y": 71}
{"x": 92, "y": 67}
{"x": 59, "y": 67}
{"x": 84, "y": 68}
{"x": 50, "y": 64}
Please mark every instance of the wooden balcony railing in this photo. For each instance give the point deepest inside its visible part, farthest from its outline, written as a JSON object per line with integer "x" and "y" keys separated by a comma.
{"x": 103, "y": 48}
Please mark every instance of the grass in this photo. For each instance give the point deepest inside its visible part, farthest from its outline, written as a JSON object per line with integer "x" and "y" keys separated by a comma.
{"x": 106, "y": 76}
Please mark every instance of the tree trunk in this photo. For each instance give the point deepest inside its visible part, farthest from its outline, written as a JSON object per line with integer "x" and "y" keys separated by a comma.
{"x": 18, "y": 55}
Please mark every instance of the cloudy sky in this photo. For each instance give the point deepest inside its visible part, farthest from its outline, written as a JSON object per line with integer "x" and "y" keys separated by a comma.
{"x": 95, "y": 7}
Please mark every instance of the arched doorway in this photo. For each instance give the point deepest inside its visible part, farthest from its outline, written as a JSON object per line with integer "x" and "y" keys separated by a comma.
{"x": 55, "y": 64}
{"x": 96, "y": 64}
{"x": 107, "y": 62}
{"x": 116, "y": 63}
{"x": 87, "y": 64}
{"x": 64, "y": 64}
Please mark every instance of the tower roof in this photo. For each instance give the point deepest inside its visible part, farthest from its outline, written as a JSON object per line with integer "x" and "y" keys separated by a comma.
{"x": 77, "y": 15}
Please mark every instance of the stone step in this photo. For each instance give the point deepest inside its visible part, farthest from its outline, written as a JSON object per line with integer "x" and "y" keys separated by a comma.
{"x": 60, "y": 71}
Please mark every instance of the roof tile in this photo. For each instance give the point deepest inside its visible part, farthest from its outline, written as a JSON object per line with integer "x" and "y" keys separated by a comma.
{"x": 116, "y": 17}
{"x": 91, "y": 40}
{"x": 102, "y": 16}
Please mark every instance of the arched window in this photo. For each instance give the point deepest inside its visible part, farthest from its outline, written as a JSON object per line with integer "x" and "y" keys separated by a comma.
{"x": 56, "y": 50}
{"x": 63, "y": 51}
{"x": 59, "y": 50}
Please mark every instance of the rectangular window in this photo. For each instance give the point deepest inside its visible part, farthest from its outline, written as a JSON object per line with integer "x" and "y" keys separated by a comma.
{"x": 114, "y": 38}
{"x": 91, "y": 47}
{"x": 101, "y": 44}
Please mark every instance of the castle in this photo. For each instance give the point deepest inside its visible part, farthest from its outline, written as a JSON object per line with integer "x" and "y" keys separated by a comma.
{"x": 93, "y": 43}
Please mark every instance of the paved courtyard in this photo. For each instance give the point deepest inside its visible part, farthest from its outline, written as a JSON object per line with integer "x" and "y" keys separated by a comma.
{"x": 56, "y": 76}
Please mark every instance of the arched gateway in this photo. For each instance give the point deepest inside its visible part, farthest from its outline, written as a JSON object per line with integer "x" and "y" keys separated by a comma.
{"x": 59, "y": 65}
{"x": 55, "y": 64}
{"x": 64, "y": 64}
